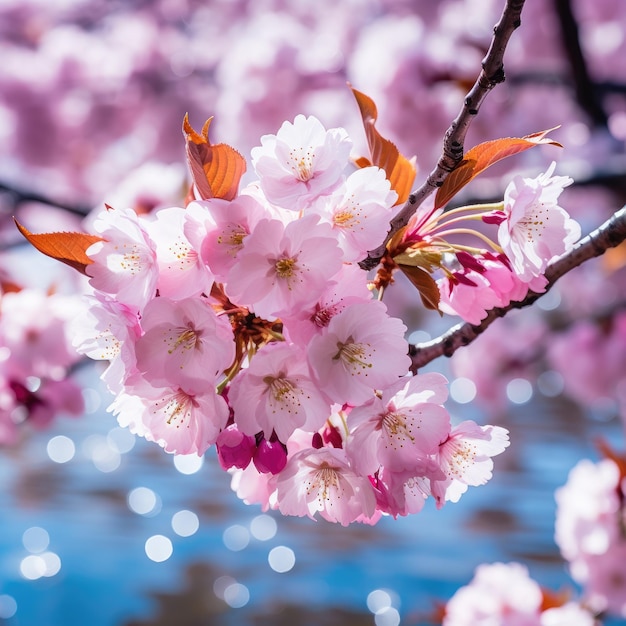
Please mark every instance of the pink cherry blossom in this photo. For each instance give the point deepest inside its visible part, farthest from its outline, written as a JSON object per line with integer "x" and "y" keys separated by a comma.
{"x": 348, "y": 286}
{"x": 361, "y": 350}
{"x": 124, "y": 264}
{"x": 276, "y": 393}
{"x": 218, "y": 228}
{"x": 182, "y": 420}
{"x": 183, "y": 341}
{"x": 404, "y": 493}
{"x": 500, "y": 593}
{"x": 465, "y": 458}
{"x": 470, "y": 300}
{"x": 282, "y": 268}
{"x": 106, "y": 330}
{"x": 401, "y": 428}
{"x": 322, "y": 481}
{"x": 182, "y": 272}
{"x": 359, "y": 211}
{"x": 536, "y": 228}
{"x": 570, "y": 614}
{"x": 302, "y": 161}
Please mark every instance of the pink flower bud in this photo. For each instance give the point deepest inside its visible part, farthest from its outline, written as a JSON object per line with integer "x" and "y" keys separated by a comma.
{"x": 270, "y": 457}
{"x": 234, "y": 449}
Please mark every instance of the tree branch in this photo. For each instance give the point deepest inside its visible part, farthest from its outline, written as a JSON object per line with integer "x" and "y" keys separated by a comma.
{"x": 608, "y": 235}
{"x": 21, "y": 196}
{"x": 492, "y": 73}
{"x": 586, "y": 94}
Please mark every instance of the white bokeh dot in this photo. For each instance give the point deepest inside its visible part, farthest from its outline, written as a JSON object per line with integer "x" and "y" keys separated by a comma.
{"x": 61, "y": 449}
{"x": 378, "y": 600}
{"x": 185, "y": 523}
{"x": 144, "y": 501}
{"x": 8, "y": 606}
{"x": 188, "y": 463}
{"x": 35, "y": 539}
{"x": 158, "y": 548}
{"x": 236, "y": 595}
{"x": 519, "y": 390}
{"x": 387, "y": 617}
{"x": 462, "y": 390}
{"x": 263, "y": 527}
{"x": 281, "y": 559}
{"x": 236, "y": 537}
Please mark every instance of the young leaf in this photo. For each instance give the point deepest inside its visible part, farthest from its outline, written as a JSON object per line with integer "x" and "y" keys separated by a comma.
{"x": 383, "y": 153}
{"x": 482, "y": 156}
{"x": 425, "y": 284}
{"x": 68, "y": 248}
{"x": 215, "y": 169}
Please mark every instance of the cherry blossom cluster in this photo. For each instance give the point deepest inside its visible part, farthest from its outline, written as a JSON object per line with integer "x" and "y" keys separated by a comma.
{"x": 36, "y": 356}
{"x": 590, "y": 525}
{"x": 532, "y": 230}
{"x": 249, "y": 324}
{"x": 505, "y": 594}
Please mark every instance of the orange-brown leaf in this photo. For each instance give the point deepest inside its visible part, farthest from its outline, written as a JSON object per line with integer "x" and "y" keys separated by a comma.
{"x": 383, "y": 153}
{"x": 425, "y": 284}
{"x": 216, "y": 170}
{"x": 482, "y": 156}
{"x": 68, "y": 248}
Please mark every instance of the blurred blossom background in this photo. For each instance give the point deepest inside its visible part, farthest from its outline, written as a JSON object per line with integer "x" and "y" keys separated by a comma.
{"x": 100, "y": 528}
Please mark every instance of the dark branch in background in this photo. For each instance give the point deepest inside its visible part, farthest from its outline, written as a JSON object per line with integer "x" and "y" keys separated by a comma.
{"x": 491, "y": 75}
{"x": 586, "y": 93}
{"x": 608, "y": 235}
{"x": 21, "y": 196}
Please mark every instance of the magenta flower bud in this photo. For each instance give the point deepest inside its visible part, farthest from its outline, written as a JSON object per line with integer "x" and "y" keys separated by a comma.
{"x": 270, "y": 457}
{"x": 332, "y": 436}
{"x": 234, "y": 449}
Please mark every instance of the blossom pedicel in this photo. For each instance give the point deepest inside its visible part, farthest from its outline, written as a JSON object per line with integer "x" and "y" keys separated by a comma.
{"x": 245, "y": 321}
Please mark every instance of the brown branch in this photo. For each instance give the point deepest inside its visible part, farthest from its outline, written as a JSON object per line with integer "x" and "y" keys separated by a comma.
{"x": 608, "y": 235}
{"x": 586, "y": 93}
{"x": 492, "y": 74}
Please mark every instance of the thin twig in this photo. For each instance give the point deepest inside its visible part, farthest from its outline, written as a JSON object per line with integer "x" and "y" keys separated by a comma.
{"x": 492, "y": 74}
{"x": 586, "y": 93}
{"x": 608, "y": 235}
{"x": 22, "y": 196}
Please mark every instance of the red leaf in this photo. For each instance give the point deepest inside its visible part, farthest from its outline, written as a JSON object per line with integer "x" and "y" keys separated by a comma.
{"x": 68, "y": 248}
{"x": 425, "y": 284}
{"x": 216, "y": 169}
{"x": 400, "y": 171}
{"x": 482, "y": 156}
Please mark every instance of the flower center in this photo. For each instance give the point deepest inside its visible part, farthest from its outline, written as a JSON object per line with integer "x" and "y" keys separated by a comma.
{"x": 395, "y": 425}
{"x": 302, "y": 164}
{"x": 285, "y": 268}
{"x": 185, "y": 338}
{"x": 355, "y": 355}
{"x": 323, "y": 480}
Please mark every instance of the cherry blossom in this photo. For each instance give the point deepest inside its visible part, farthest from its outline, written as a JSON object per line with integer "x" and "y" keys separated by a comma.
{"x": 124, "y": 264}
{"x": 402, "y": 427}
{"x": 218, "y": 228}
{"x": 359, "y": 210}
{"x": 182, "y": 273}
{"x": 302, "y": 161}
{"x": 535, "y": 228}
{"x": 183, "y": 341}
{"x": 321, "y": 481}
{"x": 276, "y": 393}
{"x": 362, "y": 349}
{"x": 465, "y": 458}
{"x": 183, "y": 420}
{"x": 499, "y": 593}
{"x": 282, "y": 268}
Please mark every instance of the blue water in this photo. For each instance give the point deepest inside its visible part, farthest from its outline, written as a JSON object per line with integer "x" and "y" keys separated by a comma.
{"x": 106, "y": 578}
